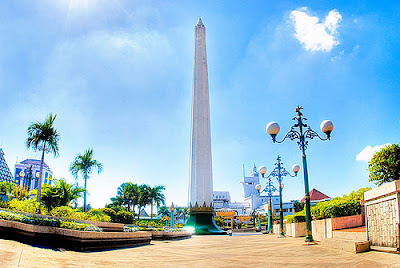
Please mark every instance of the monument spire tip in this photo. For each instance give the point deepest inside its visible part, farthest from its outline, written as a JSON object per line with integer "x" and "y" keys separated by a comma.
{"x": 199, "y": 22}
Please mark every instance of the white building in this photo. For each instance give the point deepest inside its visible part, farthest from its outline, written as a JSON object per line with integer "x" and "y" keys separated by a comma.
{"x": 30, "y": 168}
{"x": 253, "y": 200}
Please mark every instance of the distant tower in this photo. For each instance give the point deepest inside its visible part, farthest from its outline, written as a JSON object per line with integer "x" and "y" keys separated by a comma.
{"x": 249, "y": 183}
{"x": 201, "y": 212}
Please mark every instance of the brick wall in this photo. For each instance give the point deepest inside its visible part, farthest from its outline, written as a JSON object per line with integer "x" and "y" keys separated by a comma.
{"x": 383, "y": 215}
{"x": 383, "y": 228}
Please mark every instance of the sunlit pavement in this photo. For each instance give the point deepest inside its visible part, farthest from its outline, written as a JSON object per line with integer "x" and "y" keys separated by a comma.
{"x": 199, "y": 251}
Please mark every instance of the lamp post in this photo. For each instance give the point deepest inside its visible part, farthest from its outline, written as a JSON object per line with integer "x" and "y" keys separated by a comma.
{"x": 279, "y": 172}
{"x": 302, "y": 135}
{"x": 22, "y": 175}
{"x": 270, "y": 188}
{"x": 37, "y": 178}
{"x": 172, "y": 215}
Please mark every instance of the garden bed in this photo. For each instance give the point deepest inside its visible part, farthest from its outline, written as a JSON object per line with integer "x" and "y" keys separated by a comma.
{"x": 71, "y": 239}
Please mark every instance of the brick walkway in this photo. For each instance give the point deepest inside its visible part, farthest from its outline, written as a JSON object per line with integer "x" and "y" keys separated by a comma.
{"x": 199, "y": 251}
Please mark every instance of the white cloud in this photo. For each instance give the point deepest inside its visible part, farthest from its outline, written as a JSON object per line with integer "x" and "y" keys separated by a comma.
{"x": 367, "y": 153}
{"x": 313, "y": 35}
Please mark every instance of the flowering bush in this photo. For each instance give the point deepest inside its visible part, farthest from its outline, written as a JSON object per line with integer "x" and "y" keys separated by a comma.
{"x": 79, "y": 226}
{"x": 160, "y": 229}
{"x": 150, "y": 223}
{"x": 130, "y": 229}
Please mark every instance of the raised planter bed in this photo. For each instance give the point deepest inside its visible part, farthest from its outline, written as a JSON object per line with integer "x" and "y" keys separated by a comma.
{"x": 158, "y": 235}
{"x": 106, "y": 226}
{"x": 296, "y": 229}
{"x": 324, "y": 228}
{"x": 71, "y": 239}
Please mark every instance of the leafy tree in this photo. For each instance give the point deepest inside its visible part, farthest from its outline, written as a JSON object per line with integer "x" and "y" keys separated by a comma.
{"x": 6, "y": 188}
{"x": 43, "y": 137}
{"x": 117, "y": 201}
{"x": 385, "y": 165}
{"x": 60, "y": 195}
{"x": 85, "y": 164}
{"x": 220, "y": 221}
{"x": 298, "y": 206}
{"x": 157, "y": 197}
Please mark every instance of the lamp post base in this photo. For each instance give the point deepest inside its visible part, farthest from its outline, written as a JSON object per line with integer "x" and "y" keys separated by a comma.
{"x": 202, "y": 223}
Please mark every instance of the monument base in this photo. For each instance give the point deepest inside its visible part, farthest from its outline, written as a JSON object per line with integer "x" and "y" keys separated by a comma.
{"x": 203, "y": 224}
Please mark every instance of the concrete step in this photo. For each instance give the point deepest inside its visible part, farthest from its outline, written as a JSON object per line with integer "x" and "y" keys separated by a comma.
{"x": 346, "y": 245}
{"x": 345, "y": 235}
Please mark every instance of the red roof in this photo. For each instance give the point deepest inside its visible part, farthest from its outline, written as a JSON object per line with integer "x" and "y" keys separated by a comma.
{"x": 315, "y": 195}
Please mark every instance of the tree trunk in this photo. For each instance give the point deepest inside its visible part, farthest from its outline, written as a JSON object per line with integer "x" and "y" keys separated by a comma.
{"x": 151, "y": 213}
{"x": 40, "y": 180}
{"x": 84, "y": 195}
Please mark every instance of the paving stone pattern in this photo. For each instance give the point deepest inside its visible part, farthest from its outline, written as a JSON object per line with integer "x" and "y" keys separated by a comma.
{"x": 199, "y": 251}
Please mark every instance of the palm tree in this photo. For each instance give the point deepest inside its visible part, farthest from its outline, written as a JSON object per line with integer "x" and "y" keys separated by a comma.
{"x": 60, "y": 195}
{"x": 185, "y": 213}
{"x": 144, "y": 197}
{"x": 85, "y": 164}
{"x": 156, "y": 197}
{"x": 179, "y": 212}
{"x": 163, "y": 211}
{"x": 43, "y": 137}
{"x": 129, "y": 194}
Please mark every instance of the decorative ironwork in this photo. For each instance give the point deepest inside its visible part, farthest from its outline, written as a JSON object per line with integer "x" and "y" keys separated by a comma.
{"x": 303, "y": 134}
{"x": 204, "y": 208}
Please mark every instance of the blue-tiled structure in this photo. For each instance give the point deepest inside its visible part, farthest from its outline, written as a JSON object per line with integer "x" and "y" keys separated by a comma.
{"x": 5, "y": 173}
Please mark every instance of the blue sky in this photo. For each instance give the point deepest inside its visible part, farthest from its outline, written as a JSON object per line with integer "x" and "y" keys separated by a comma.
{"x": 118, "y": 74}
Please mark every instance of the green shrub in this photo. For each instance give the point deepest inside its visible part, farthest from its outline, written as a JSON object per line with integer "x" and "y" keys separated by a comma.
{"x": 4, "y": 204}
{"x": 295, "y": 218}
{"x": 111, "y": 213}
{"x": 124, "y": 217}
{"x": 97, "y": 215}
{"x": 336, "y": 208}
{"x": 29, "y": 205}
{"x": 64, "y": 212}
{"x": 151, "y": 223}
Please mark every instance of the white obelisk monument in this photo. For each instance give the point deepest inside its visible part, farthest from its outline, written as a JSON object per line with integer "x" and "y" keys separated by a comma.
{"x": 201, "y": 181}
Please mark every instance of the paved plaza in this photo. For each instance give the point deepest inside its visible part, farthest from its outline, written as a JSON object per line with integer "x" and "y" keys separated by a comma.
{"x": 199, "y": 251}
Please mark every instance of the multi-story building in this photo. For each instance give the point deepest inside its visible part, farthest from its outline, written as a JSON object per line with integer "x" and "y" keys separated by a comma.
{"x": 27, "y": 173}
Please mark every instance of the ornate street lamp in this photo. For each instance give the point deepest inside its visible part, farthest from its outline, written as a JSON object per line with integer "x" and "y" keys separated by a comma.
{"x": 279, "y": 172}
{"x": 172, "y": 215}
{"x": 301, "y": 135}
{"x": 270, "y": 188}
{"x": 22, "y": 175}
{"x": 37, "y": 178}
